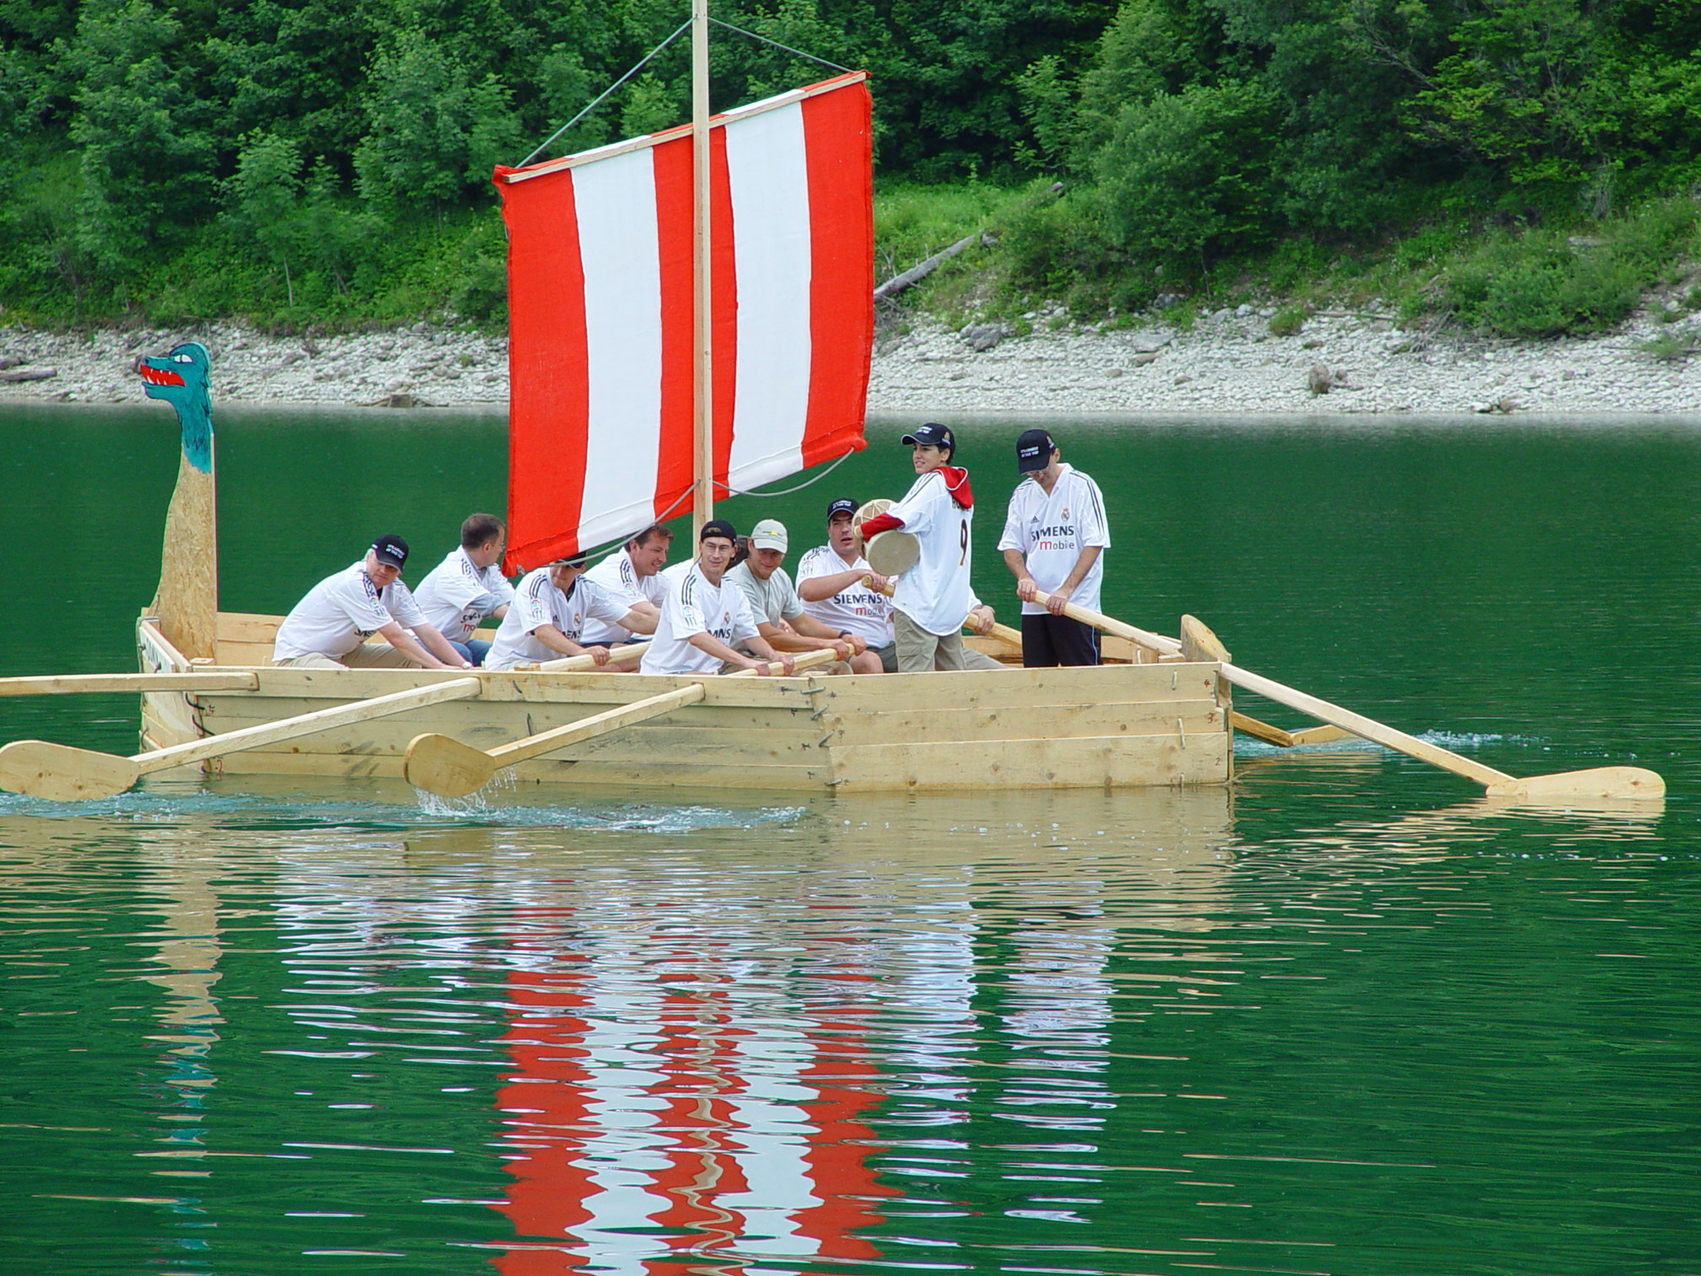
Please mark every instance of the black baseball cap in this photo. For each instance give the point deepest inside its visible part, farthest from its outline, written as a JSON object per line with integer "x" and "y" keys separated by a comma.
{"x": 932, "y": 434}
{"x": 844, "y": 505}
{"x": 572, "y": 560}
{"x": 392, "y": 551}
{"x": 717, "y": 527}
{"x": 1033, "y": 451}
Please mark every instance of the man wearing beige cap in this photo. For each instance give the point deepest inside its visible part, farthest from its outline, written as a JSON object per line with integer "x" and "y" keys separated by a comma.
{"x": 779, "y": 611}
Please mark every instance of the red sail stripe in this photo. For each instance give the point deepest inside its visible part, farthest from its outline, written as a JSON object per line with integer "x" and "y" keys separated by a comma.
{"x": 679, "y": 340}
{"x": 723, "y": 284}
{"x": 547, "y": 1099}
{"x": 838, "y": 143}
{"x": 548, "y": 369}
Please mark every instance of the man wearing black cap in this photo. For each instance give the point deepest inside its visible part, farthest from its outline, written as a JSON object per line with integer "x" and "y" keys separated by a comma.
{"x": 329, "y": 627}
{"x": 1054, "y": 540}
{"x": 843, "y": 592}
{"x": 547, "y": 619}
{"x": 933, "y": 595}
{"x": 700, "y": 620}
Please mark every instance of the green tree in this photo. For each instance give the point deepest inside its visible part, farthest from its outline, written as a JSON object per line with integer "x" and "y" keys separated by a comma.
{"x": 264, "y": 197}
{"x": 433, "y": 131}
{"x": 1188, "y": 174}
{"x": 148, "y": 161}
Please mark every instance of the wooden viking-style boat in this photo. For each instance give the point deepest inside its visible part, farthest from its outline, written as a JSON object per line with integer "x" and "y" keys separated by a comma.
{"x": 689, "y": 312}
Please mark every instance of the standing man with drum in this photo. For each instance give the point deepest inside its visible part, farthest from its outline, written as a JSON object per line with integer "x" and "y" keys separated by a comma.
{"x": 1054, "y": 540}
{"x": 932, "y": 596}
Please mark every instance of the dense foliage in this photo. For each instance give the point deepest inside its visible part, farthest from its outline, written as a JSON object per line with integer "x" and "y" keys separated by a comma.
{"x": 324, "y": 161}
{"x": 1206, "y": 128}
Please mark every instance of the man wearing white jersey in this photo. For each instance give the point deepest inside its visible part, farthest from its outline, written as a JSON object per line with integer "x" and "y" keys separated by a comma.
{"x": 843, "y": 592}
{"x": 703, "y": 615}
{"x": 328, "y": 628}
{"x": 468, "y": 588}
{"x": 547, "y": 618}
{"x": 933, "y": 595}
{"x": 779, "y": 612}
{"x": 1054, "y": 540}
{"x": 633, "y": 573}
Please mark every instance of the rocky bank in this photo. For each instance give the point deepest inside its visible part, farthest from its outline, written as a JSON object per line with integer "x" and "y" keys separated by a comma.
{"x": 1223, "y": 363}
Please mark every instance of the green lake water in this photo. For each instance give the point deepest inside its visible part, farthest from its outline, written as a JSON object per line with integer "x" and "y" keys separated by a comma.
{"x": 1346, "y": 1017}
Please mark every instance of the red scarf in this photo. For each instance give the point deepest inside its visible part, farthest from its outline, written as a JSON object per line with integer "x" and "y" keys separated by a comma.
{"x": 956, "y": 483}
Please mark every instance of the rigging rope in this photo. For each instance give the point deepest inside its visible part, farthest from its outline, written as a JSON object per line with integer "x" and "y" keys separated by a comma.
{"x": 730, "y": 491}
{"x": 681, "y": 30}
{"x": 765, "y": 40}
{"x": 733, "y": 491}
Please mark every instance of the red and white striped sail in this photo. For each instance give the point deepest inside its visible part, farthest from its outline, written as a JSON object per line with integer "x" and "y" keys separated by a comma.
{"x": 601, "y": 346}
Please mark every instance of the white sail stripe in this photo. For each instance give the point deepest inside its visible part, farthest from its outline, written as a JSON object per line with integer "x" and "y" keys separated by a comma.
{"x": 774, "y": 1133}
{"x": 618, "y": 248}
{"x": 623, "y": 1146}
{"x": 769, "y": 176}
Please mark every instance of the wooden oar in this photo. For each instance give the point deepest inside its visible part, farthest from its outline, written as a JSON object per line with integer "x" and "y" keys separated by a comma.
{"x": 61, "y": 773}
{"x": 1597, "y": 782}
{"x": 622, "y": 655}
{"x": 445, "y": 766}
{"x": 89, "y": 683}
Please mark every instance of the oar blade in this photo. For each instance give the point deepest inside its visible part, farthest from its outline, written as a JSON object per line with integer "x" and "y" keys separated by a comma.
{"x": 443, "y": 765}
{"x": 60, "y": 773}
{"x": 1613, "y": 783}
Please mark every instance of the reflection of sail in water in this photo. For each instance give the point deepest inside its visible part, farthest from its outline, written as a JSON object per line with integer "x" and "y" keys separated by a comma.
{"x": 670, "y": 1107}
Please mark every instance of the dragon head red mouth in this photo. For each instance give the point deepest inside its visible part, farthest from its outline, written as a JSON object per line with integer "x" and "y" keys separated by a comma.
{"x": 156, "y": 376}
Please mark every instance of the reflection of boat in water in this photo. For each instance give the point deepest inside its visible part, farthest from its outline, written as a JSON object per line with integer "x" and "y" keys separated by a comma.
{"x": 679, "y": 1034}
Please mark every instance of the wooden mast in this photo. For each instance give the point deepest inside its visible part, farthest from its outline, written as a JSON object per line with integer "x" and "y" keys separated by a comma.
{"x": 703, "y": 451}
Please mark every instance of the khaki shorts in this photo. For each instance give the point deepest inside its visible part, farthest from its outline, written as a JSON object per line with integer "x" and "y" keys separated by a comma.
{"x": 922, "y": 652}
{"x": 369, "y": 655}
{"x": 892, "y": 655}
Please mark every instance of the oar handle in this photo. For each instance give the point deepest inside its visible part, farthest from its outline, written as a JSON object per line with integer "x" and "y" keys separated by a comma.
{"x": 624, "y": 654}
{"x": 808, "y": 660}
{"x": 1110, "y": 625}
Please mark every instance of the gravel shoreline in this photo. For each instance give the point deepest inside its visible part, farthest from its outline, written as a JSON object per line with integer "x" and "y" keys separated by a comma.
{"x": 1225, "y": 363}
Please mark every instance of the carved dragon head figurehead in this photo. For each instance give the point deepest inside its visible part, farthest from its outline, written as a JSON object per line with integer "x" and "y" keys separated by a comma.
{"x": 180, "y": 377}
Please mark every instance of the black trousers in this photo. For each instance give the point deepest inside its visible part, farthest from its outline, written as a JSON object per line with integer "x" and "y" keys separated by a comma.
{"x": 1049, "y": 641}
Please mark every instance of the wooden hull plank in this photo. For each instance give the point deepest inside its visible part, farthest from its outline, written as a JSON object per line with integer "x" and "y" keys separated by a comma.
{"x": 1028, "y": 721}
{"x": 1092, "y": 762}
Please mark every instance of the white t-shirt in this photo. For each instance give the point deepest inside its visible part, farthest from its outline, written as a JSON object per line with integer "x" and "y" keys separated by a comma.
{"x": 935, "y": 592}
{"x": 457, "y": 595}
{"x": 694, "y": 606}
{"x": 538, "y": 602}
{"x": 618, "y": 578}
{"x": 861, "y": 610}
{"x": 343, "y": 611}
{"x": 1051, "y": 531}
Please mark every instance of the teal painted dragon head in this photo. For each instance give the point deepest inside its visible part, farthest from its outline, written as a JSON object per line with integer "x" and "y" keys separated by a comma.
{"x": 180, "y": 377}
